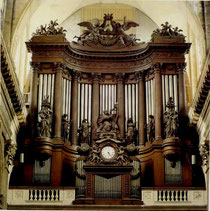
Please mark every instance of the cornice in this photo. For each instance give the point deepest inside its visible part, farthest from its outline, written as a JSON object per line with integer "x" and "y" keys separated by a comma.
{"x": 201, "y": 94}
{"x": 11, "y": 82}
{"x": 128, "y": 59}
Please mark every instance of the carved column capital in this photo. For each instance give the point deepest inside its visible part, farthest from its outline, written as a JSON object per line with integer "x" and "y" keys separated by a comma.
{"x": 76, "y": 74}
{"x": 140, "y": 76}
{"x": 58, "y": 66}
{"x": 120, "y": 77}
{"x": 157, "y": 67}
{"x": 35, "y": 66}
{"x": 180, "y": 67}
{"x": 96, "y": 77}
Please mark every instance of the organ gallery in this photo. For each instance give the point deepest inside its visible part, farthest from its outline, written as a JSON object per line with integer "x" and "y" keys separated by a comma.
{"x": 107, "y": 112}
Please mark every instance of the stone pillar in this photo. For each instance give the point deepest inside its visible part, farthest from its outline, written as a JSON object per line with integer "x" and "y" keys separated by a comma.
{"x": 182, "y": 104}
{"x": 158, "y": 102}
{"x": 33, "y": 103}
{"x": 74, "y": 109}
{"x": 142, "y": 109}
{"x": 95, "y": 106}
{"x": 57, "y": 104}
{"x": 121, "y": 104}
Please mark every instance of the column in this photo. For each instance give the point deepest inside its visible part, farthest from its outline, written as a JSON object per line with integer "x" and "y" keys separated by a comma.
{"x": 95, "y": 106}
{"x": 74, "y": 108}
{"x": 57, "y": 106}
{"x": 142, "y": 108}
{"x": 158, "y": 102}
{"x": 182, "y": 105}
{"x": 33, "y": 103}
{"x": 121, "y": 104}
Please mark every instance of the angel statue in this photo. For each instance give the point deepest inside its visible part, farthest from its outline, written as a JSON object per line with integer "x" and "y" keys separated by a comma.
{"x": 92, "y": 31}
{"x": 119, "y": 30}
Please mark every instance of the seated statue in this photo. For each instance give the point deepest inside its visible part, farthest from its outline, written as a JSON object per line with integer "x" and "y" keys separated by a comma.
{"x": 108, "y": 123}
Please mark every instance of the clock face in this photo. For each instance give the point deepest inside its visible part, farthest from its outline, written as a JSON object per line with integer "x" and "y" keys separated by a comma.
{"x": 108, "y": 152}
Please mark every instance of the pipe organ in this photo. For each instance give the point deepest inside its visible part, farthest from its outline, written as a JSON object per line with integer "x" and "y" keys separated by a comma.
{"x": 84, "y": 102}
{"x": 66, "y": 98}
{"x": 150, "y": 105}
{"x": 108, "y": 97}
{"x": 45, "y": 88}
{"x": 131, "y": 103}
{"x": 112, "y": 106}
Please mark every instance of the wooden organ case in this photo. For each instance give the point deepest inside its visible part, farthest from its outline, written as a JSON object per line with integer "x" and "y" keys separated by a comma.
{"x": 108, "y": 111}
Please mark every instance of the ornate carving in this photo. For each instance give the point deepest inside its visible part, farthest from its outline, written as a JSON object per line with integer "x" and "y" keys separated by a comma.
{"x": 83, "y": 149}
{"x": 167, "y": 30}
{"x": 51, "y": 29}
{"x": 96, "y": 77}
{"x": 204, "y": 152}
{"x": 9, "y": 152}
{"x": 108, "y": 124}
{"x": 45, "y": 116}
{"x": 36, "y": 66}
{"x": 180, "y": 67}
{"x": 120, "y": 77}
{"x": 66, "y": 124}
{"x": 122, "y": 158}
{"x": 140, "y": 75}
{"x": 171, "y": 120}
{"x": 84, "y": 133}
{"x": 151, "y": 128}
{"x": 157, "y": 67}
{"x": 94, "y": 155}
{"x": 131, "y": 131}
{"x": 59, "y": 66}
{"x": 97, "y": 33}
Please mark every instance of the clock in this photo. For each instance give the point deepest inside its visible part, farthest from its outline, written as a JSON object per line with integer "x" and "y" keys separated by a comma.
{"x": 108, "y": 153}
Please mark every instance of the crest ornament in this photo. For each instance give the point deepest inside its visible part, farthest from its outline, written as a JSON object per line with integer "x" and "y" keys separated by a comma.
{"x": 108, "y": 33}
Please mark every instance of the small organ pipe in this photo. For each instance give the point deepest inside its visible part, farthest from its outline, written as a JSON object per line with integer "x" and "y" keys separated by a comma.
{"x": 175, "y": 92}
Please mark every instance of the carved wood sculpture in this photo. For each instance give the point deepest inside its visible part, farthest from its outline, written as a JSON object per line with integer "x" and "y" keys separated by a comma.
{"x": 97, "y": 33}
{"x": 95, "y": 85}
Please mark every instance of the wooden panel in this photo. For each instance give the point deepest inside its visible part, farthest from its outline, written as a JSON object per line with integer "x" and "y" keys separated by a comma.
{"x": 56, "y": 168}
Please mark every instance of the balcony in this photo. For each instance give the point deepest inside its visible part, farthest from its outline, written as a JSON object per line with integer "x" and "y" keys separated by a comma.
{"x": 62, "y": 198}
